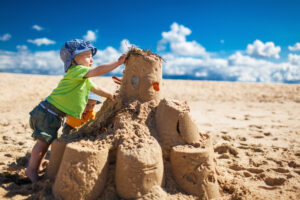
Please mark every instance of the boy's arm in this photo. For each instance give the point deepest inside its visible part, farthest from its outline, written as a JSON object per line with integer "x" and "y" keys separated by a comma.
{"x": 99, "y": 91}
{"x": 105, "y": 68}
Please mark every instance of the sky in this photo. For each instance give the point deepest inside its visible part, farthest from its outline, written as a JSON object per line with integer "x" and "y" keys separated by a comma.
{"x": 232, "y": 40}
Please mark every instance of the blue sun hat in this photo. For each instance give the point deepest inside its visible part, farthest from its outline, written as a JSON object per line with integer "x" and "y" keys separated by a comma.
{"x": 93, "y": 96}
{"x": 73, "y": 48}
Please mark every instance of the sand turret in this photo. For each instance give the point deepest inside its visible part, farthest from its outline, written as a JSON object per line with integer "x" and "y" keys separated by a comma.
{"x": 142, "y": 77}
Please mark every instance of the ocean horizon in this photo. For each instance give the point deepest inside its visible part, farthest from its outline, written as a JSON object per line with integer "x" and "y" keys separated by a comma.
{"x": 172, "y": 77}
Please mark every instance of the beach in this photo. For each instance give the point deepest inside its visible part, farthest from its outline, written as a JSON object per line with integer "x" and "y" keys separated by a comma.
{"x": 254, "y": 127}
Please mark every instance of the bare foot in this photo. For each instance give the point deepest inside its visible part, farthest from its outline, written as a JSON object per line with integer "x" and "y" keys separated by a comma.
{"x": 32, "y": 175}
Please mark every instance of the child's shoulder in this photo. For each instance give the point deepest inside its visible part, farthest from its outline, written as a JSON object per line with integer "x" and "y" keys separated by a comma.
{"x": 77, "y": 69}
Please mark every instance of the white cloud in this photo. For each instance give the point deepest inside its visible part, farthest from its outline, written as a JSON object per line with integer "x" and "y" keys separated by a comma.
{"x": 259, "y": 49}
{"x": 296, "y": 47}
{"x": 37, "y": 27}
{"x": 5, "y": 37}
{"x": 294, "y": 59}
{"x": 110, "y": 54}
{"x": 176, "y": 38}
{"x": 90, "y": 36}
{"x": 238, "y": 59}
{"x": 125, "y": 45}
{"x": 22, "y": 48}
{"x": 106, "y": 55}
{"x": 256, "y": 70}
{"x": 41, "y": 41}
{"x": 49, "y": 62}
{"x": 237, "y": 67}
{"x": 25, "y": 61}
{"x": 191, "y": 66}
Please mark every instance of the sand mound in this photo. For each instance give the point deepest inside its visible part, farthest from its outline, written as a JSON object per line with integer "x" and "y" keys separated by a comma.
{"x": 137, "y": 132}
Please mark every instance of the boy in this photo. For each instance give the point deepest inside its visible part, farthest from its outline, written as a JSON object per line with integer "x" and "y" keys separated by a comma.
{"x": 88, "y": 113}
{"x": 70, "y": 97}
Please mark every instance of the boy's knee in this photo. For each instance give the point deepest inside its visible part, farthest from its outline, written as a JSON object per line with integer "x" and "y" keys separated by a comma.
{"x": 45, "y": 137}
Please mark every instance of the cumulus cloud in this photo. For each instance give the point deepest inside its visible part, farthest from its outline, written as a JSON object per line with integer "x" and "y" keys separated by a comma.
{"x": 37, "y": 27}
{"x": 192, "y": 67}
{"x": 110, "y": 54}
{"x": 5, "y": 37}
{"x": 90, "y": 36}
{"x": 294, "y": 59}
{"x": 41, "y": 41}
{"x": 248, "y": 69}
{"x": 125, "y": 46}
{"x": 22, "y": 48}
{"x": 176, "y": 39}
{"x": 48, "y": 62}
{"x": 259, "y": 49}
{"x": 25, "y": 61}
{"x": 296, "y": 47}
{"x": 239, "y": 66}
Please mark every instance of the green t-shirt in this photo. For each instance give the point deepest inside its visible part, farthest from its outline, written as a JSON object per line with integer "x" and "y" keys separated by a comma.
{"x": 71, "y": 94}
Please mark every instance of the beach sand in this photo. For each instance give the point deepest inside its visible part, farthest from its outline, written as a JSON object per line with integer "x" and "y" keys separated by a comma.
{"x": 255, "y": 131}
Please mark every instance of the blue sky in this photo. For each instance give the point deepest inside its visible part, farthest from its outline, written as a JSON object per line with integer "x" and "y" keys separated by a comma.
{"x": 247, "y": 41}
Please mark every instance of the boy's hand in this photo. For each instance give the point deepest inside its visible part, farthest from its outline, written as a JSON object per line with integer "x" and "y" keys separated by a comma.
{"x": 117, "y": 80}
{"x": 110, "y": 96}
{"x": 122, "y": 58}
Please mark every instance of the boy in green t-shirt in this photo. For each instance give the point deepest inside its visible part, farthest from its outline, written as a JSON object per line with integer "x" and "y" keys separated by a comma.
{"x": 68, "y": 98}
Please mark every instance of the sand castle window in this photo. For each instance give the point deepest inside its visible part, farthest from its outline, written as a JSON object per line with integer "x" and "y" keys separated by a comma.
{"x": 134, "y": 80}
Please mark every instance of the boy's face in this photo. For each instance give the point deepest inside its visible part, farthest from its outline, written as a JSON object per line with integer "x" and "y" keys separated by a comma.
{"x": 84, "y": 58}
{"x": 90, "y": 106}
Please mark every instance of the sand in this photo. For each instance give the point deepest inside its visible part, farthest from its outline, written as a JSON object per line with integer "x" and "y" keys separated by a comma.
{"x": 255, "y": 131}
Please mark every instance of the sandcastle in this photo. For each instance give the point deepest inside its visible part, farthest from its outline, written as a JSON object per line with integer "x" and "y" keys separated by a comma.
{"x": 142, "y": 136}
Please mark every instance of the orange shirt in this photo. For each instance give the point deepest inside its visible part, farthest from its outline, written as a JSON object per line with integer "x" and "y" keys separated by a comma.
{"x": 75, "y": 122}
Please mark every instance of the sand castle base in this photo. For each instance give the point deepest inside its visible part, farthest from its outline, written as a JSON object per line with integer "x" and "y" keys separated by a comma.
{"x": 82, "y": 173}
{"x": 57, "y": 152}
{"x": 194, "y": 170}
{"x": 138, "y": 169}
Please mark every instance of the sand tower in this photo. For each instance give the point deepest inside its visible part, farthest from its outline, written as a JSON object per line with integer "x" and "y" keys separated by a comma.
{"x": 142, "y": 78}
{"x": 134, "y": 142}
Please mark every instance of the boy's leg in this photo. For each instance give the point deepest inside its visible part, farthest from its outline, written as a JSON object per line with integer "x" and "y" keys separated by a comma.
{"x": 38, "y": 152}
{"x": 40, "y": 168}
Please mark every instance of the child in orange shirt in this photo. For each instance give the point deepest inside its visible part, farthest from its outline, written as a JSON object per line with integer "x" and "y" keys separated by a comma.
{"x": 88, "y": 113}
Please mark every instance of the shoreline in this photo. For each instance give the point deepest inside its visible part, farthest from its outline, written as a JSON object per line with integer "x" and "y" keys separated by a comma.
{"x": 168, "y": 77}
